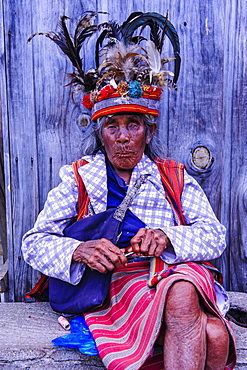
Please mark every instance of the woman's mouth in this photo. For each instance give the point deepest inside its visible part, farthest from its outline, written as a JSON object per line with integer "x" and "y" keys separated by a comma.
{"x": 124, "y": 154}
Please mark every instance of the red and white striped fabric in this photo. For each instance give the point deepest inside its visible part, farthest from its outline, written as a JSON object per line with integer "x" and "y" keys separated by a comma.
{"x": 126, "y": 328}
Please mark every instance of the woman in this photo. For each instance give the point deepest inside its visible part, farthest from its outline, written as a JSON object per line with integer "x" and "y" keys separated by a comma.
{"x": 175, "y": 308}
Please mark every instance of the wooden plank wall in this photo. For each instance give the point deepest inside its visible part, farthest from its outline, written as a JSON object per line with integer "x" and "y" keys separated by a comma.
{"x": 3, "y": 234}
{"x": 208, "y": 112}
{"x": 237, "y": 133}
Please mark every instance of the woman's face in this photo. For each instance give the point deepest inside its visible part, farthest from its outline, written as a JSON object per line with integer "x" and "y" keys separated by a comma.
{"x": 124, "y": 139}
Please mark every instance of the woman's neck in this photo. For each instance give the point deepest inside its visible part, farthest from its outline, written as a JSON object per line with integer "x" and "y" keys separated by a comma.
{"x": 124, "y": 174}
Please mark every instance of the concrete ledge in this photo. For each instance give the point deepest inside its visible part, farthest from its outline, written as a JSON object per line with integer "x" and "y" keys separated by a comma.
{"x": 27, "y": 330}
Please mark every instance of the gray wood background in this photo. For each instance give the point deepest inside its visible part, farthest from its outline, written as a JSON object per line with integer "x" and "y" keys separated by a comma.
{"x": 207, "y": 116}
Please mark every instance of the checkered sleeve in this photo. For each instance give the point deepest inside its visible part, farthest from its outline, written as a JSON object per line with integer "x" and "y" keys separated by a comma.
{"x": 44, "y": 247}
{"x": 203, "y": 237}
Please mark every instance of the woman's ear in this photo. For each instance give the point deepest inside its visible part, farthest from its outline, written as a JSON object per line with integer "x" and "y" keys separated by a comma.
{"x": 152, "y": 130}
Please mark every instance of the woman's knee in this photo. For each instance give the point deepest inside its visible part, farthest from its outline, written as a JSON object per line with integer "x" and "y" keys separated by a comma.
{"x": 183, "y": 311}
{"x": 182, "y": 300}
{"x": 216, "y": 331}
{"x": 217, "y": 343}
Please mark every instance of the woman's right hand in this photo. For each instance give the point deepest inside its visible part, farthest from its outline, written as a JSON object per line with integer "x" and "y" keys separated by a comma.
{"x": 101, "y": 255}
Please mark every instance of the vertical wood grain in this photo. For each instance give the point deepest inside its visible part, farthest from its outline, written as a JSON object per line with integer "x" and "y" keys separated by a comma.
{"x": 3, "y": 236}
{"x": 6, "y": 147}
{"x": 238, "y": 166}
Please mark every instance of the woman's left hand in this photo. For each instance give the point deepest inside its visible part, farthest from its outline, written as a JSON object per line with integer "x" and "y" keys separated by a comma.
{"x": 149, "y": 242}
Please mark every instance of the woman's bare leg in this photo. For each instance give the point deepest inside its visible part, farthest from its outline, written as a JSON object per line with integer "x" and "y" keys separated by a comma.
{"x": 185, "y": 329}
{"x": 217, "y": 343}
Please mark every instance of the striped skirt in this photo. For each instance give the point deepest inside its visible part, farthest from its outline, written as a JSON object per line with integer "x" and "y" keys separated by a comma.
{"x": 126, "y": 327}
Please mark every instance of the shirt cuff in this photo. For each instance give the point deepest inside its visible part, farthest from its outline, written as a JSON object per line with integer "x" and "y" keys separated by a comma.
{"x": 76, "y": 271}
{"x": 169, "y": 255}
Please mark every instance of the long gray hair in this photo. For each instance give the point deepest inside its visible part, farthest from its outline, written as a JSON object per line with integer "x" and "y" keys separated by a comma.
{"x": 92, "y": 141}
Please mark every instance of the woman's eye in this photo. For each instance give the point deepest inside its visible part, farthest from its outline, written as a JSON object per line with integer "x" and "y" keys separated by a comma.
{"x": 111, "y": 127}
{"x": 133, "y": 125}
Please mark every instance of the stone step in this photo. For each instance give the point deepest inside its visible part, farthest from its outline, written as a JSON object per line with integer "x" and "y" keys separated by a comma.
{"x": 27, "y": 330}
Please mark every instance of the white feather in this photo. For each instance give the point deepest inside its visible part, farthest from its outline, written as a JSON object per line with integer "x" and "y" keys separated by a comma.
{"x": 154, "y": 58}
{"x": 113, "y": 83}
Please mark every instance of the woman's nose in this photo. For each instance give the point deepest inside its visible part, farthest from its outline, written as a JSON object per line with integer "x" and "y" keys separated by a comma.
{"x": 123, "y": 135}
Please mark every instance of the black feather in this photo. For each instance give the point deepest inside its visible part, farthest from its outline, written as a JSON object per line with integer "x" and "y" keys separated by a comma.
{"x": 71, "y": 47}
{"x": 110, "y": 30}
{"x": 163, "y": 33}
{"x": 130, "y": 18}
{"x": 84, "y": 28}
{"x": 71, "y": 50}
{"x": 155, "y": 34}
{"x": 87, "y": 32}
{"x": 99, "y": 44}
{"x": 145, "y": 19}
{"x": 137, "y": 39}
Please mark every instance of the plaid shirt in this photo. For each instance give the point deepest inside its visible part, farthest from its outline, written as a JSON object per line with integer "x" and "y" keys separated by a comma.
{"x": 47, "y": 250}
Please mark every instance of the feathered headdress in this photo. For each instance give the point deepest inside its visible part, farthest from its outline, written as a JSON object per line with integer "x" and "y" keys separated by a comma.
{"x": 129, "y": 72}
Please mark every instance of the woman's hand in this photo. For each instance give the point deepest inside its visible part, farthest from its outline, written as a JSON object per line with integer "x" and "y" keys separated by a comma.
{"x": 149, "y": 242}
{"x": 101, "y": 255}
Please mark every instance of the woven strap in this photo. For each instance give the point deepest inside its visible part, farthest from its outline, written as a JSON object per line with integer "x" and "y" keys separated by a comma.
{"x": 122, "y": 208}
{"x": 83, "y": 199}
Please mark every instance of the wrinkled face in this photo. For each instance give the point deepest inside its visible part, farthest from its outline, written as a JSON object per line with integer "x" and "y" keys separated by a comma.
{"x": 124, "y": 139}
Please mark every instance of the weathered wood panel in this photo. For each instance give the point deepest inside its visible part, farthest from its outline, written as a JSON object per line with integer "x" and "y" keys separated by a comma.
{"x": 3, "y": 234}
{"x": 5, "y": 201}
{"x": 238, "y": 153}
{"x": 40, "y": 120}
{"x": 202, "y": 115}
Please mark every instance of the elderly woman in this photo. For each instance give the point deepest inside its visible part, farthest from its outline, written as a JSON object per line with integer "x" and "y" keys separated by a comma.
{"x": 178, "y": 306}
